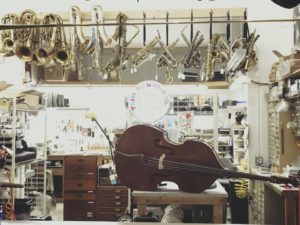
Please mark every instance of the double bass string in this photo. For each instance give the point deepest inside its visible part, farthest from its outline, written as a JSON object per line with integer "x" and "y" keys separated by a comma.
{"x": 200, "y": 169}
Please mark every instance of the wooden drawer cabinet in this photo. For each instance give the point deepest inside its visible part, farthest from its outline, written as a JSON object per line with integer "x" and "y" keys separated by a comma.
{"x": 80, "y": 188}
{"x": 112, "y": 202}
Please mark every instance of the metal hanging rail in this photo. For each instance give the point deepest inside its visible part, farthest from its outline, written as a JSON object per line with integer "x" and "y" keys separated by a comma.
{"x": 7, "y": 27}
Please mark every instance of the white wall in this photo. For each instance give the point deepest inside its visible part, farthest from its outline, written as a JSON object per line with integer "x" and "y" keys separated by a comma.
{"x": 109, "y": 101}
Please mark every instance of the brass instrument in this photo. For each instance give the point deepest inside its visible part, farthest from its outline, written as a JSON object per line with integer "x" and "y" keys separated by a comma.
{"x": 224, "y": 50}
{"x": 97, "y": 14}
{"x": 217, "y": 52}
{"x": 167, "y": 59}
{"x": 47, "y": 39}
{"x": 26, "y": 37}
{"x": 86, "y": 43}
{"x": 193, "y": 56}
{"x": 8, "y": 37}
{"x": 97, "y": 17}
{"x": 251, "y": 59}
{"x": 141, "y": 56}
{"x": 120, "y": 59}
{"x": 62, "y": 52}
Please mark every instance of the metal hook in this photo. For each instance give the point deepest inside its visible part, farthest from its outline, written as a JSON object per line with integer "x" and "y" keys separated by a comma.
{"x": 144, "y": 29}
{"x": 167, "y": 28}
{"x": 210, "y": 24}
{"x": 192, "y": 26}
{"x": 228, "y": 27}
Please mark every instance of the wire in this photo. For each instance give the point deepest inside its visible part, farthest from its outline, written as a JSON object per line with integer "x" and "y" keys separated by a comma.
{"x": 260, "y": 83}
{"x": 111, "y": 145}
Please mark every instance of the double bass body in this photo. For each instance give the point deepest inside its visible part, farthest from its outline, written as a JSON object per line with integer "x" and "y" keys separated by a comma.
{"x": 145, "y": 157}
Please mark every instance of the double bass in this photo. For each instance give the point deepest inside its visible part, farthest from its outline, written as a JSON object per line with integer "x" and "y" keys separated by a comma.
{"x": 145, "y": 157}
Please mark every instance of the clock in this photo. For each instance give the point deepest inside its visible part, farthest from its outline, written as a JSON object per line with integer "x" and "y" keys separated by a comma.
{"x": 149, "y": 101}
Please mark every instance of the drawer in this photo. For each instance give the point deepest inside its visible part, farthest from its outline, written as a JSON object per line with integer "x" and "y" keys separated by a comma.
{"x": 112, "y": 191}
{"x": 80, "y": 210}
{"x": 113, "y": 201}
{"x": 109, "y": 216}
{"x": 120, "y": 210}
{"x": 80, "y": 164}
{"x": 80, "y": 195}
{"x": 89, "y": 185}
{"x": 82, "y": 175}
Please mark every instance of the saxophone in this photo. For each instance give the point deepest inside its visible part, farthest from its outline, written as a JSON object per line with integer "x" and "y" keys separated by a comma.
{"x": 8, "y": 37}
{"x": 26, "y": 37}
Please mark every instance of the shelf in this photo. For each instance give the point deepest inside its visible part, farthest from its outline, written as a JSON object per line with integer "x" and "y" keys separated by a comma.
{"x": 294, "y": 74}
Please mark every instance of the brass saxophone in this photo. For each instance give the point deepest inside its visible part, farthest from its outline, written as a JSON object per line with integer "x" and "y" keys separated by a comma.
{"x": 8, "y": 37}
{"x": 62, "y": 53}
{"x": 26, "y": 37}
{"x": 47, "y": 40}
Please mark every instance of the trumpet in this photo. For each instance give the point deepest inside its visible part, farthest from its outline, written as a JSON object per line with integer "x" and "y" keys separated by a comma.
{"x": 47, "y": 39}
{"x": 251, "y": 59}
{"x": 120, "y": 59}
{"x": 167, "y": 57}
{"x": 25, "y": 47}
{"x": 141, "y": 56}
{"x": 193, "y": 55}
{"x": 8, "y": 37}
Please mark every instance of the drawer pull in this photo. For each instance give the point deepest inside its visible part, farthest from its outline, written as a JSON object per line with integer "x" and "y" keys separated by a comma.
{"x": 117, "y": 191}
{"x": 118, "y": 214}
{"x": 91, "y": 202}
{"x": 117, "y": 197}
{"x": 89, "y": 214}
{"x": 117, "y": 209}
{"x": 90, "y": 191}
{"x": 117, "y": 203}
{"x": 90, "y": 173}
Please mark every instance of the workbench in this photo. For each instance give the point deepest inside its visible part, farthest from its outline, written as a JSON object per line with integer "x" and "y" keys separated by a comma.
{"x": 217, "y": 197}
